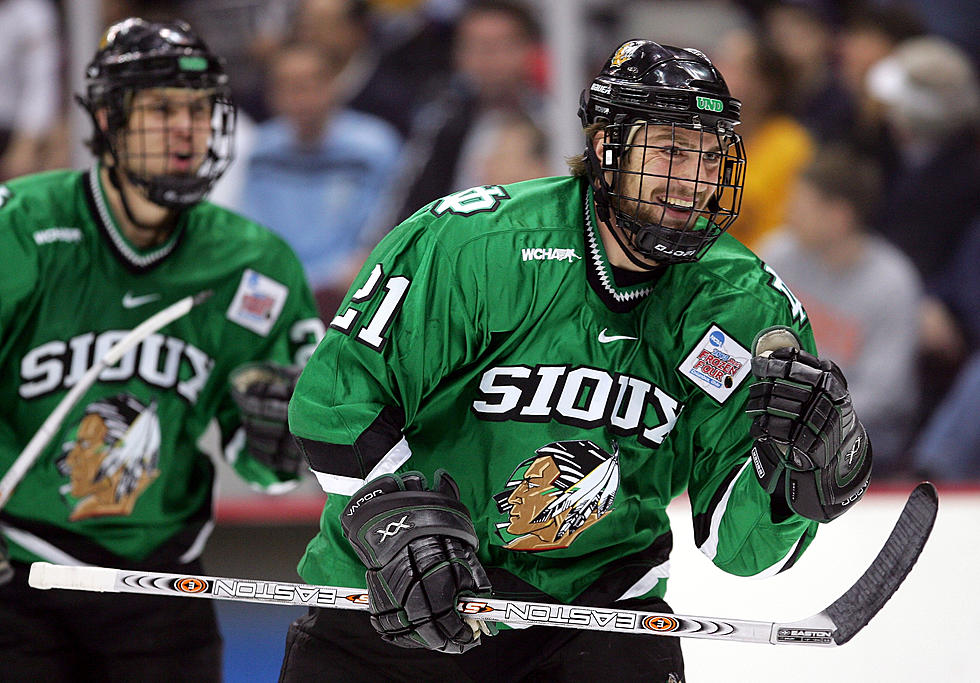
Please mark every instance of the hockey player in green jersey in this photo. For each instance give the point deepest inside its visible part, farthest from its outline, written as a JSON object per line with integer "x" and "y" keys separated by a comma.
{"x": 126, "y": 481}
{"x": 524, "y": 376}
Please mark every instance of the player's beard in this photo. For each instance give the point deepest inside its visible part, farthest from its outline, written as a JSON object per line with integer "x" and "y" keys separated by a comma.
{"x": 652, "y": 212}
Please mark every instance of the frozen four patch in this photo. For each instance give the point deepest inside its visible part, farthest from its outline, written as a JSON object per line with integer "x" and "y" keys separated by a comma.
{"x": 718, "y": 364}
{"x": 258, "y": 302}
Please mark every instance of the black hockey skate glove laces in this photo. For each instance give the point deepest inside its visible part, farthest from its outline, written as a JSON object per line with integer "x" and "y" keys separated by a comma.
{"x": 419, "y": 546}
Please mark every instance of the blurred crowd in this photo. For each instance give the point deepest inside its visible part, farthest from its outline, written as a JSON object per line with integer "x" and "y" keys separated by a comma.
{"x": 861, "y": 123}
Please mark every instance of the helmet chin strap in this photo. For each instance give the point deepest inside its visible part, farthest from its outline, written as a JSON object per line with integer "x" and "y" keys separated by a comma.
{"x": 616, "y": 229}
{"x": 603, "y": 210}
{"x": 167, "y": 223}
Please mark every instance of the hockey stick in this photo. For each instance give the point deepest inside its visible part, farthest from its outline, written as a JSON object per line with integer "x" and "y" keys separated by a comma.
{"x": 833, "y": 626}
{"x": 111, "y": 357}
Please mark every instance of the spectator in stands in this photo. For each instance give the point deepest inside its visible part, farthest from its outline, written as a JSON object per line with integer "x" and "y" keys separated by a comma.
{"x": 802, "y": 31}
{"x": 955, "y": 20}
{"x": 862, "y": 294}
{"x": 960, "y": 283}
{"x": 30, "y": 87}
{"x": 930, "y": 96}
{"x": 514, "y": 150}
{"x": 948, "y": 444}
{"x": 466, "y": 134}
{"x": 410, "y": 39}
{"x": 342, "y": 28}
{"x": 869, "y": 34}
{"x": 152, "y": 10}
{"x": 948, "y": 447}
{"x": 317, "y": 171}
{"x": 393, "y": 53}
{"x": 777, "y": 143}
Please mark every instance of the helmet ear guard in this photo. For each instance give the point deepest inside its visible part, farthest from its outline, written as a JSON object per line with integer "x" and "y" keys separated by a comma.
{"x": 645, "y": 84}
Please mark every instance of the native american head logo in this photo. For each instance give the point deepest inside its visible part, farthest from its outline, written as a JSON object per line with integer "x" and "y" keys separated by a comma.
{"x": 553, "y": 496}
{"x": 113, "y": 458}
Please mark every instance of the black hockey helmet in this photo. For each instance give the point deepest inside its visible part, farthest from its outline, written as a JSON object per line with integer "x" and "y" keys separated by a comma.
{"x": 645, "y": 84}
{"x": 135, "y": 55}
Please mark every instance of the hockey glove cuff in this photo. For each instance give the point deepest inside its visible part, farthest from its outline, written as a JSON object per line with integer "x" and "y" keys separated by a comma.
{"x": 419, "y": 546}
{"x": 811, "y": 450}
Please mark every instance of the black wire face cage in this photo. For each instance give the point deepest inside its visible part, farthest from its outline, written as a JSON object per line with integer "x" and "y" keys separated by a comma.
{"x": 673, "y": 187}
{"x": 158, "y": 142}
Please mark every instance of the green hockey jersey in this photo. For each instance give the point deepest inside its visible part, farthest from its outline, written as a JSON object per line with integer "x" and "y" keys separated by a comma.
{"x": 488, "y": 335}
{"x": 126, "y": 478}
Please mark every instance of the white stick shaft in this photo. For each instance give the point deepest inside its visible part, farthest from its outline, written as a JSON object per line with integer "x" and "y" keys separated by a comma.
{"x": 102, "y": 579}
{"x": 833, "y": 626}
{"x": 44, "y": 576}
{"x": 47, "y": 430}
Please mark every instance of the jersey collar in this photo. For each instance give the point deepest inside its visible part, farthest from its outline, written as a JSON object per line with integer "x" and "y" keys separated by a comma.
{"x": 135, "y": 259}
{"x": 600, "y": 272}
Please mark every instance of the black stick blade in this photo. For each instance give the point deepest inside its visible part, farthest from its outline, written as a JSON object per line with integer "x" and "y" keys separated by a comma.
{"x": 852, "y": 611}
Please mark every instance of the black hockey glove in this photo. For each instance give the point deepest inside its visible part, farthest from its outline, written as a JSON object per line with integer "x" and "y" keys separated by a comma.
{"x": 6, "y": 571}
{"x": 811, "y": 450}
{"x": 262, "y": 392}
{"x": 419, "y": 546}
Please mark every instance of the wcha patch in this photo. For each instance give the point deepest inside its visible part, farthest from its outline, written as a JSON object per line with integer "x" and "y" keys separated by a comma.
{"x": 718, "y": 364}
{"x": 258, "y": 302}
{"x": 549, "y": 254}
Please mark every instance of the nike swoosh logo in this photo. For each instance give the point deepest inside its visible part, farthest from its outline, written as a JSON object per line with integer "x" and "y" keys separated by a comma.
{"x": 130, "y": 301}
{"x": 606, "y": 338}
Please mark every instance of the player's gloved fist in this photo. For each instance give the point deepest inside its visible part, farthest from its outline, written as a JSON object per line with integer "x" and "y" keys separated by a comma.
{"x": 419, "y": 546}
{"x": 262, "y": 392}
{"x": 810, "y": 447}
{"x": 6, "y": 571}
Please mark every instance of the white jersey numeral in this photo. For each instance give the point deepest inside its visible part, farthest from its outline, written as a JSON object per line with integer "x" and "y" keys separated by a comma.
{"x": 310, "y": 331}
{"x": 780, "y": 286}
{"x": 372, "y": 334}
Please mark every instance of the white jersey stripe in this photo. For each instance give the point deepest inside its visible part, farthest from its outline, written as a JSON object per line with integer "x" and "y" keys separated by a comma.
{"x": 647, "y": 581}
{"x": 710, "y": 545}
{"x": 392, "y": 460}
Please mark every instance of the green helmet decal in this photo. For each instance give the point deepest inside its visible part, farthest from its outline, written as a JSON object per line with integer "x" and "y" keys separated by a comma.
{"x": 709, "y": 104}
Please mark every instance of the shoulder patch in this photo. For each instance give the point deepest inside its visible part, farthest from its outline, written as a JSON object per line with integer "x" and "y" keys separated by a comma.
{"x": 258, "y": 302}
{"x": 481, "y": 199}
{"x": 718, "y": 364}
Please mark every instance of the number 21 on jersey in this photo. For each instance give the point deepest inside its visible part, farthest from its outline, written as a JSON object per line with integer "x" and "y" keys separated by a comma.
{"x": 372, "y": 332}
